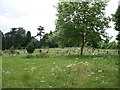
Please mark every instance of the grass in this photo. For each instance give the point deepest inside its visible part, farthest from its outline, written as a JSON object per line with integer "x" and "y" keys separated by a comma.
{"x": 71, "y": 71}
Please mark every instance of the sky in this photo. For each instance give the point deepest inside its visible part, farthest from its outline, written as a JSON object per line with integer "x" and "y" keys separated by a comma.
{"x": 30, "y": 14}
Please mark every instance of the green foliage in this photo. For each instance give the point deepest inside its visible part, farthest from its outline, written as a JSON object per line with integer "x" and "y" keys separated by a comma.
{"x": 109, "y": 45}
{"x": 81, "y": 23}
{"x": 54, "y": 39}
{"x": 28, "y": 56}
{"x": 12, "y": 50}
{"x": 34, "y": 42}
{"x": 17, "y": 37}
{"x": 30, "y": 47}
{"x": 47, "y": 41}
{"x": 117, "y": 19}
{"x": 14, "y": 38}
{"x": 117, "y": 25}
{"x": 28, "y": 38}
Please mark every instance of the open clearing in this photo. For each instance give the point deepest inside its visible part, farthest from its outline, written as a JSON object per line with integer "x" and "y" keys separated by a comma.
{"x": 72, "y": 71}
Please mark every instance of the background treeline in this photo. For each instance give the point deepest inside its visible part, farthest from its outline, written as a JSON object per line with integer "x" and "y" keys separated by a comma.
{"x": 19, "y": 38}
{"x": 78, "y": 25}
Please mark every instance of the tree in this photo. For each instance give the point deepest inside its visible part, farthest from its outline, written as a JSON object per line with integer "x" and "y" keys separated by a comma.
{"x": 54, "y": 40}
{"x": 8, "y": 40}
{"x": 12, "y": 50}
{"x": 41, "y": 31}
{"x": 82, "y": 23}
{"x": 20, "y": 37}
{"x": 32, "y": 45}
{"x": 13, "y": 34}
{"x": 16, "y": 38}
{"x": 117, "y": 26}
{"x": 28, "y": 38}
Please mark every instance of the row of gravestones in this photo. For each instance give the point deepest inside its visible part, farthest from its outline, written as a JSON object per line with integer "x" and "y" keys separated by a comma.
{"x": 8, "y": 52}
{"x": 67, "y": 51}
{"x": 86, "y": 51}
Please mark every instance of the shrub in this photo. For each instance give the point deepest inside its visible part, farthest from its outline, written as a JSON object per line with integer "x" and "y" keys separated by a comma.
{"x": 12, "y": 51}
{"x": 30, "y": 47}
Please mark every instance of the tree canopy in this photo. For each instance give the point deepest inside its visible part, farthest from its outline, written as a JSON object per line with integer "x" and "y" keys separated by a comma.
{"x": 16, "y": 37}
{"x": 117, "y": 25}
{"x": 82, "y": 23}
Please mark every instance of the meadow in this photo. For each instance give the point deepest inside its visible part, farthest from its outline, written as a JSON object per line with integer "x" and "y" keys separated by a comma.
{"x": 60, "y": 68}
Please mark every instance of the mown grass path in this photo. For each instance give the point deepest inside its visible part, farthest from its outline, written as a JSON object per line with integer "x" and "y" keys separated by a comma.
{"x": 60, "y": 72}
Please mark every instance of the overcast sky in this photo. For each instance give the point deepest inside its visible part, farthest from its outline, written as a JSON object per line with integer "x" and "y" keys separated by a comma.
{"x": 29, "y": 14}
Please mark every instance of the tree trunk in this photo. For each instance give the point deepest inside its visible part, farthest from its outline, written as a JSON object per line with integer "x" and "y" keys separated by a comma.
{"x": 82, "y": 46}
{"x": 81, "y": 52}
{"x": 40, "y": 37}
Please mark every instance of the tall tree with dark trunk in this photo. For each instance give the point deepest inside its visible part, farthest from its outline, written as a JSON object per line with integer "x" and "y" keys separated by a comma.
{"x": 83, "y": 22}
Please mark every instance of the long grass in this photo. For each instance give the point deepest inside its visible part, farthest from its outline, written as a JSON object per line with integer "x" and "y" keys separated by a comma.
{"x": 69, "y": 71}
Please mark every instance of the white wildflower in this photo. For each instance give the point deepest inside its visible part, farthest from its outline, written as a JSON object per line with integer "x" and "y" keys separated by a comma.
{"x": 89, "y": 75}
{"x": 42, "y": 77}
{"x": 74, "y": 64}
{"x": 7, "y": 72}
{"x": 86, "y": 63}
{"x": 53, "y": 74}
{"x": 77, "y": 58}
{"x": 42, "y": 81}
{"x": 93, "y": 53}
{"x": 25, "y": 68}
{"x": 53, "y": 69}
{"x": 12, "y": 69}
{"x": 68, "y": 66}
{"x": 99, "y": 71}
{"x": 56, "y": 66}
{"x": 50, "y": 86}
{"x": 92, "y": 73}
{"x": 33, "y": 68}
{"x": 103, "y": 81}
{"x": 54, "y": 63}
